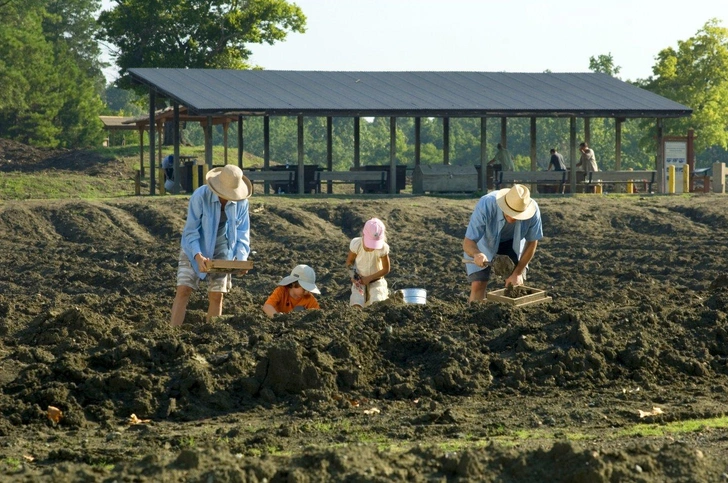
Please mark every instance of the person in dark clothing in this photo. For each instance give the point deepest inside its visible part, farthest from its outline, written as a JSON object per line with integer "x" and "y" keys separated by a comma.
{"x": 557, "y": 161}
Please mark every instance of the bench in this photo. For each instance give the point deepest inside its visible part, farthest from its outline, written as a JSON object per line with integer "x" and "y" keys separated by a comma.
{"x": 378, "y": 177}
{"x": 279, "y": 179}
{"x": 622, "y": 177}
{"x": 555, "y": 178}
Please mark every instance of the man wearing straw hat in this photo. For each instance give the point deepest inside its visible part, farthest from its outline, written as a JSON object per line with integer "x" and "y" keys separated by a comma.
{"x": 504, "y": 222}
{"x": 217, "y": 227}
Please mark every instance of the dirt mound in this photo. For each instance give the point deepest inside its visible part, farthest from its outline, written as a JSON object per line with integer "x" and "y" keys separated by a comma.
{"x": 18, "y": 157}
{"x": 637, "y": 321}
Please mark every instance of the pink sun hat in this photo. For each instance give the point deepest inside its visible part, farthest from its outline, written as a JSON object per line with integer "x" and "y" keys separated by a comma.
{"x": 374, "y": 234}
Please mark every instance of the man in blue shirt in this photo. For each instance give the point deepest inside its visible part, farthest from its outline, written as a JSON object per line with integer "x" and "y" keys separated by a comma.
{"x": 504, "y": 222}
{"x": 217, "y": 227}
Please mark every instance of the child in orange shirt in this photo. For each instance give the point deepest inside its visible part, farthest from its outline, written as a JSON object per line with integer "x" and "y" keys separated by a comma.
{"x": 293, "y": 292}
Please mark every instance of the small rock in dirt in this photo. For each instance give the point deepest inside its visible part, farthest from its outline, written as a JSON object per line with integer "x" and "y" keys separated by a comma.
{"x": 720, "y": 282}
{"x": 267, "y": 395}
{"x": 638, "y": 468}
{"x": 580, "y": 336}
{"x": 188, "y": 460}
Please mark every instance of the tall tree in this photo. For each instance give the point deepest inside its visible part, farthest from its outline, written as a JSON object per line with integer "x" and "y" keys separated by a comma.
{"x": 604, "y": 64}
{"x": 50, "y": 89}
{"x": 194, "y": 33}
{"x": 696, "y": 75}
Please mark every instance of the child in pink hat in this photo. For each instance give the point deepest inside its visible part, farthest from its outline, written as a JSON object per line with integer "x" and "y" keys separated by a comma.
{"x": 368, "y": 263}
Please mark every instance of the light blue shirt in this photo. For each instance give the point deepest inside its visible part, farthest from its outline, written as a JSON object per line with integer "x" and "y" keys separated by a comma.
{"x": 486, "y": 226}
{"x": 203, "y": 218}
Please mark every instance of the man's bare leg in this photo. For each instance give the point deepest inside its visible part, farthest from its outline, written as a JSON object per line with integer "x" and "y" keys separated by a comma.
{"x": 477, "y": 291}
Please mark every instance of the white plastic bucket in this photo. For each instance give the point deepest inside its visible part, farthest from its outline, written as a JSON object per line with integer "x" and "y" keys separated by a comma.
{"x": 414, "y": 295}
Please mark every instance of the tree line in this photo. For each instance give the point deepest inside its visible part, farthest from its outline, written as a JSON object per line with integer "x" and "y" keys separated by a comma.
{"x": 54, "y": 88}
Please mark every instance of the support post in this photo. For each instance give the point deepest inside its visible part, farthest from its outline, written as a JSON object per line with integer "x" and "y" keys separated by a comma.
{"x": 691, "y": 158}
{"x": 483, "y": 156}
{"x": 504, "y": 132}
{"x": 329, "y": 152}
{"x": 572, "y": 154}
{"x": 534, "y": 163}
{"x": 241, "y": 152}
{"x": 392, "y": 155}
{"x": 177, "y": 173}
{"x": 418, "y": 139}
{"x": 300, "y": 156}
{"x": 266, "y": 150}
{"x": 152, "y": 126}
{"x": 357, "y": 149}
{"x": 141, "y": 152}
{"x": 446, "y": 140}
{"x": 660, "y": 161}
{"x": 671, "y": 179}
{"x": 618, "y": 144}
{"x": 719, "y": 174}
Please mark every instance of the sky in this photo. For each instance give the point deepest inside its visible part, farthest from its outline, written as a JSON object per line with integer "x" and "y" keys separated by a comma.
{"x": 485, "y": 35}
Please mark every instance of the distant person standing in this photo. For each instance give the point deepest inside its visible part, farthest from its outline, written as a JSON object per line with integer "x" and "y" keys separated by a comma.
{"x": 168, "y": 167}
{"x": 588, "y": 162}
{"x": 557, "y": 161}
{"x": 502, "y": 160}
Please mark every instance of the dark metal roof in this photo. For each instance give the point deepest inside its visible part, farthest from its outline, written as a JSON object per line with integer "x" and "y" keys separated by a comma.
{"x": 405, "y": 94}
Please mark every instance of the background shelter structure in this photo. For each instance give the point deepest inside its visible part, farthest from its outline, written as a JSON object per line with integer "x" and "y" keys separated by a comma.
{"x": 115, "y": 123}
{"x": 165, "y": 115}
{"x": 214, "y": 92}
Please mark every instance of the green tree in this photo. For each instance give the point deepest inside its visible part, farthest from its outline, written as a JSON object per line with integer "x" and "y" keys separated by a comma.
{"x": 604, "y": 64}
{"x": 696, "y": 75}
{"x": 50, "y": 95}
{"x": 194, "y": 33}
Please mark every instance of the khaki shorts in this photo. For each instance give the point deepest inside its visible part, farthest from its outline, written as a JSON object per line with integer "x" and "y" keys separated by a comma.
{"x": 377, "y": 291}
{"x": 216, "y": 282}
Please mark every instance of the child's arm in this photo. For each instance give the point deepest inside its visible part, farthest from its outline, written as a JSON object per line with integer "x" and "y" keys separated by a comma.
{"x": 270, "y": 305}
{"x": 351, "y": 263}
{"x": 269, "y": 310}
{"x": 377, "y": 275}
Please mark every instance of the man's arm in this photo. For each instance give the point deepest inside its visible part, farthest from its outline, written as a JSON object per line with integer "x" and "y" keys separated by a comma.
{"x": 516, "y": 278}
{"x": 471, "y": 249}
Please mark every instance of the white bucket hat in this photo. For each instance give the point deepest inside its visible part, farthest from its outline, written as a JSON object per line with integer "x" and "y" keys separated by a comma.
{"x": 305, "y": 276}
{"x": 228, "y": 182}
{"x": 516, "y": 202}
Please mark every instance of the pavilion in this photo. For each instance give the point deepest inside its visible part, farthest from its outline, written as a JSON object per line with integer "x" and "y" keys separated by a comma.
{"x": 213, "y": 93}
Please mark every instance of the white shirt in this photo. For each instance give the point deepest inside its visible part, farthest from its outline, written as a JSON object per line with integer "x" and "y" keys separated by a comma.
{"x": 367, "y": 262}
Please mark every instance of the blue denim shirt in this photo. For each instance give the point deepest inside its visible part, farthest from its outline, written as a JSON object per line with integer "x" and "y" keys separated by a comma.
{"x": 486, "y": 224}
{"x": 203, "y": 218}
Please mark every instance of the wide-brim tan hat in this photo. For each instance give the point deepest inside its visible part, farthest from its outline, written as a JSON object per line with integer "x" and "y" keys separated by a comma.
{"x": 305, "y": 276}
{"x": 229, "y": 182}
{"x": 516, "y": 202}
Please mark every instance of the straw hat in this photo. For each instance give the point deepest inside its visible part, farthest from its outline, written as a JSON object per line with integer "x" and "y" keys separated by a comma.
{"x": 516, "y": 202}
{"x": 228, "y": 182}
{"x": 304, "y": 275}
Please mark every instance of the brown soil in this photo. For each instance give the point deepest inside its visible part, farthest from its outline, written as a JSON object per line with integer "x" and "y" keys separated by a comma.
{"x": 515, "y": 291}
{"x": 446, "y": 391}
{"x": 22, "y": 158}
